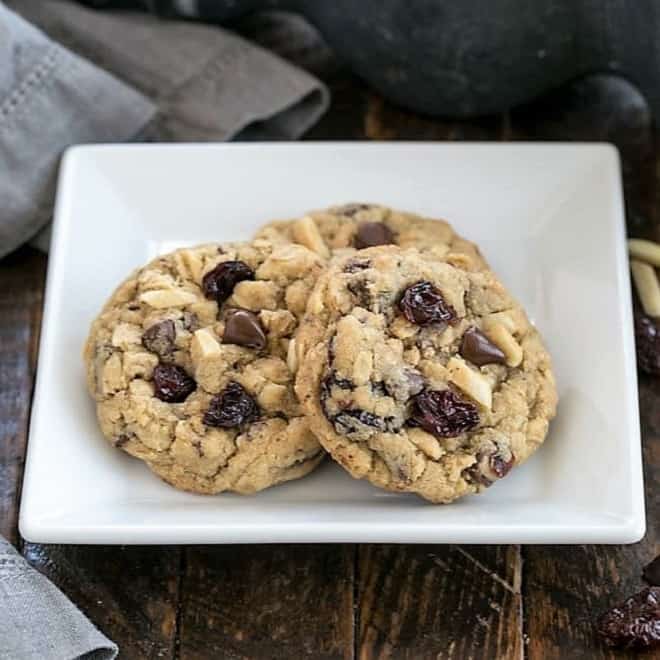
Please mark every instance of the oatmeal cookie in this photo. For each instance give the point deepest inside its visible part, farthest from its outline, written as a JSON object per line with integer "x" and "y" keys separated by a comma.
{"x": 342, "y": 229}
{"x": 192, "y": 367}
{"x": 421, "y": 376}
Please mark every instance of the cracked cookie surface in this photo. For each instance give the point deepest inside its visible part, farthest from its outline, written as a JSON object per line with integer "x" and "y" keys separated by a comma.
{"x": 191, "y": 365}
{"x": 420, "y": 376}
{"x": 337, "y": 230}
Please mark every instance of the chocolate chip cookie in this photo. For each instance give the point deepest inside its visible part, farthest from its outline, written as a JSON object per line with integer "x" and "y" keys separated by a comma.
{"x": 191, "y": 364}
{"x": 341, "y": 229}
{"x": 421, "y": 376}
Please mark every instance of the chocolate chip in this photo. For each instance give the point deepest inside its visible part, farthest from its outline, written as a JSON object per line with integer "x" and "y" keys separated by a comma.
{"x": 370, "y": 234}
{"x": 232, "y": 407}
{"x": 172, "y": 384}
{"x": 159, "y": 338}
{"x": 242, "y": 327}
{"x": 443, "y": 413}
{"x": 651, "y": 572}
{"x": 479, "y": 350}
{"x": 635, "y": 623}
{"x": 218, "y": 284}
{"x": 423, "y": 305}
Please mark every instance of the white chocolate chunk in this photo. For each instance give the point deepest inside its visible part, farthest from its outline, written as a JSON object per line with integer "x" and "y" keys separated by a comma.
{"x": 646, "y": 251}
{"x": 162, "y": 298}
{"x": 503, "y": 318}
{"x": 289, "y": 260}
{"x": 505, "y": 341}
{"x": 112, "y": 375}
{"x": 648, "y": 288}
{"x": 189, "y": 264}
{"x": 204, "y": 345}
{"x": 273, "y": 397}
{"x": 126, "y": 334}
{"x": 280, "y": 323}
{"x": 471, "y": 382}
{"x": 306, "y": 233}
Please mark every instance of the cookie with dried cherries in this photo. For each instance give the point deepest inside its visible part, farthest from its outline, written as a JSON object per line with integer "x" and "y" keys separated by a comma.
{"x": 339, "y": 230}
{"x": 191, "y": 365}
{"x": 421, "y": 376}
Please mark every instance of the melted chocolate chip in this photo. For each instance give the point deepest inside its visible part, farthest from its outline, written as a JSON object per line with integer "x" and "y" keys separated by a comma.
{"x": 370, "y": 234}
{"x": 218, "y": 284}
{"x": 159, "y": 338}
{"x": 652, "y": 572}
{"x": 172, "y": 384}
{"x": 479, "y": 350}
{"x": 423, "y": 305}
{"x": 231, "y": 408}
{"x": 242, "y": 327}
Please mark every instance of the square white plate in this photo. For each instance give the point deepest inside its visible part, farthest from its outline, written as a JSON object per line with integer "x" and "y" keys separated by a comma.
{"x": 550, "y": 220}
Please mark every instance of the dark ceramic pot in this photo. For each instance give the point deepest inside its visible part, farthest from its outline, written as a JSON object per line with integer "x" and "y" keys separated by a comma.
{"x": 461, "y": 58}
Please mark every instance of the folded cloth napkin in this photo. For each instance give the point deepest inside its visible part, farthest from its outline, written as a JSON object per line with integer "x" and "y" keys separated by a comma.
{"x": 37, "y": 622}
{"x": 92, "y": 76}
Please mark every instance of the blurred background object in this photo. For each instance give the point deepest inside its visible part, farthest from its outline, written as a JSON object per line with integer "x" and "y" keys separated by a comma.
{"x": 468, "y": 58}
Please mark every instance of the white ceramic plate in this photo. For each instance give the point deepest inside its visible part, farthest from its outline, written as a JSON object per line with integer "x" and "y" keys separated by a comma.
{"x": 550, "y": 220}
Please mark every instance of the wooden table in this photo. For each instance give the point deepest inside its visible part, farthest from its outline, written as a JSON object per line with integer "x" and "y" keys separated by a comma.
{"x": 345, "y": 601}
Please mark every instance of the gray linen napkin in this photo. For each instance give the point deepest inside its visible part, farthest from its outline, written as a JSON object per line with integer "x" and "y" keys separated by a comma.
{"x": 153, "y": 79}
{"x": 49, "y": 98}
{"x": 37, "y": 622}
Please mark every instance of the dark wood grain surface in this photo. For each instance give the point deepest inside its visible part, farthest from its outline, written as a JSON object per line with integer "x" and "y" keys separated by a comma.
{"x": 342, "y": 601}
